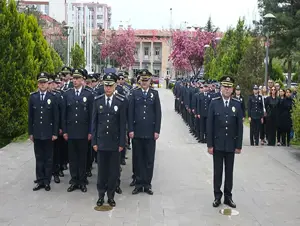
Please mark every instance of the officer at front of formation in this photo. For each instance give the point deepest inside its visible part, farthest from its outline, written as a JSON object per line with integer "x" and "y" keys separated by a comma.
{"x": 144, "y": 123}
{"x": 224, "y": 139}
{"x": 108, "y": 138}
{"x": 255, "y": 114}
{"x": 76, "y": 122}
{"x": 43, "y": 130}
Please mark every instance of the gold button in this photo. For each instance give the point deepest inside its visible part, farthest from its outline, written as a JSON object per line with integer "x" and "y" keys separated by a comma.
{"x": 76, "y": 115}
{"x": 42, "y": 107}
{"x": 107, "y": 120}
{"x": 106, "y": 132}
{"x": 41, "y": 112}
{"x": 144, "y": 118}
{"x": 76, "y": 122}
{"x": 41, "y": 117}
{"x": 41, "y": 122}
{"x": 107, "y": 127}
{"x": 144, "y": 112}
{"x": 144, "y": 106}
{"x": 76, "y": 108}
{"x": 107, "y": 114}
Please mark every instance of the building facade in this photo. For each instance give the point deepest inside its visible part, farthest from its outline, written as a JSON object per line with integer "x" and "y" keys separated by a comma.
{"x": 40, "y": 5}
{"x": 100, "y": 14}
{"x": 153, "y": 48}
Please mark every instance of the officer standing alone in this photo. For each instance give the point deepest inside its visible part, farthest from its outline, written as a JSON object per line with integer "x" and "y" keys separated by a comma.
{"x": 224, "y": 139}
{"x": 109, "y": 135}
{"x": 144, "y": 123}
{"x": 43, "y": 130}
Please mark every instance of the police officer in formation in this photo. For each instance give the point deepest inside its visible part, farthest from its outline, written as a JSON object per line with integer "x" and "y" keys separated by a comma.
{"x": 76, "y": 125}
{"x": 224, "y": 139}
{"x": 144, "y": 123}
{"x": 43, "y": 122}
{"x": 255, "y": 114}
{"x": 109, "y": 131}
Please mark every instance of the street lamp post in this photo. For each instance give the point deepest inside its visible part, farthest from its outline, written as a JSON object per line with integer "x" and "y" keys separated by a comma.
{"x": 68, "y": 28}
{"x": 266, "y": 17}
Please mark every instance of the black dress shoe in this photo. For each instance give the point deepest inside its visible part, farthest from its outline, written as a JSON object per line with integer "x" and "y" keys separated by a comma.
{"x": 73, "y": 187}
{"x": 56, "y": 179}
{"x": 86, "y": 181}
{"x": 132, "y": 183}
{"x": 47, "y": 187}
{"x": 137, "y": 190}
{"x": 129, "y": 148}
{"x": 216, "y": 203}
{"x": 123, "y": 162}
{"x": 229, "y": 202}
{"x": 61, "y": 173}
{"x": 119, "y": 190}
{"x": 111, "y": 202}
{"x": 64, "y": 166}
{"x": 83, "y": 188}
{"x": 38, "y": 187}
{"x": 89, "y": 174}
{"x": 148, "y": 191}
{"x": 100, "y": 201}
{"x": 35, "y": 181}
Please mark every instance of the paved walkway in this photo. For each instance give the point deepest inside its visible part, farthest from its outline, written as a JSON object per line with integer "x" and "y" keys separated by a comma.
{"x": 266, "y": 187}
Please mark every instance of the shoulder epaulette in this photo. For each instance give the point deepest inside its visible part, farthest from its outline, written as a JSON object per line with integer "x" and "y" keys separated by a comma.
{"x": 121, "y": 95}
{"x": 88, "y": 89}
{"x": 34, "y": 92}
{"x": 235, "y": 99}
{"x": 68, "y": 90}
{"x": 119, "y": 98}
{"x": 216, "y": 98}
{"x": 97, "y": 97}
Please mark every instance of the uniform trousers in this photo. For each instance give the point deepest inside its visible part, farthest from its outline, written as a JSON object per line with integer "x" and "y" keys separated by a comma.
{"x": 108, "y": 172}
{"x": 43, "y": 150}
{"x": 145, "y": 153}
{"x": 203, "y": 120}
{"x": 64, "y": 158}
{"x": 77, "y": 158}
{"x": 56, "y": 157}
{"x": 220, "y": 157}
{"x": 255, "y": 125}
{"x": 89, "y": 160}
{"x": 134, "y": 160}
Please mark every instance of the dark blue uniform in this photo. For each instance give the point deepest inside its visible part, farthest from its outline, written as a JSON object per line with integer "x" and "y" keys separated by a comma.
{"x": 256, "y": 113}
{"x": 203, "y": 104}
{"x": 108, "y": 133}
{"x": 42, "y": 125}
{"x": 224, "y": 135}
{"x": 144, "y": 119}
{"x": 76, "y": 122}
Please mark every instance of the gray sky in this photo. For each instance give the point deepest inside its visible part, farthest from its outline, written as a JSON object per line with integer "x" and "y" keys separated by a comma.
{"x": 155, "y": 14}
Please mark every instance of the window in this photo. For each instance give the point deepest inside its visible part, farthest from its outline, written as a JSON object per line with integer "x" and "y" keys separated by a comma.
{"x": 168, "y": 72}
{"x": 156, "y": 71}
{"x": 136, "y": 51}
{"x": 99, "y": 16}
{"x": 146, "y": 51}
{"x": 99, "y": 25}
{"x": 157, "y": 51}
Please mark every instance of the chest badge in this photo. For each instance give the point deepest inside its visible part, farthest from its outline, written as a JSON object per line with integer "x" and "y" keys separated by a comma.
{"x": 151, "y": 95}
{"x": 49, "y": 101}
{"x": 116, "y": 108}
{"x": 259, "y": 98}
{"x": 241, "y": 99}
{"x": 84, "y": 99}
{"x": 101, "y": 107}
{"x": 233, "y": 109}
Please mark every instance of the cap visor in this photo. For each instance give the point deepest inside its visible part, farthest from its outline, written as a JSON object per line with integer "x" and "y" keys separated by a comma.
{"x": 77, "y": 76}
{"x": 109, "y": 83}
{"x": 43, "y": 80}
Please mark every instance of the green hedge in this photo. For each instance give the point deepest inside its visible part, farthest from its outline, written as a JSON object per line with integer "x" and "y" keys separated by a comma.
{"x": 296, "y": 116}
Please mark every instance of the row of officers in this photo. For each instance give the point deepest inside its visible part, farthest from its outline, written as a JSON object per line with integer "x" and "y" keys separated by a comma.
{"x": 94, "y": 123}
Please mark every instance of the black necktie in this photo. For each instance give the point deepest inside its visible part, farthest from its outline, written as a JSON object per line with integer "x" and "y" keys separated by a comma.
{"x": 226, "y": 103}
{"x": 42, "y": 96}
{"x": 77, "y": 92}
{"x": 107, "y": 102}
{"x": 144, "y": 93}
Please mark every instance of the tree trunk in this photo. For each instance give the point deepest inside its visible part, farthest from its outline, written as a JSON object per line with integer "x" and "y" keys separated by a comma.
{"x": 289, "y": 73}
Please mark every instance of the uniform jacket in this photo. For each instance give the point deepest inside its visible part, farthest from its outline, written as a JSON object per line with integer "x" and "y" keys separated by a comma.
{"x": 109, "y": 123}
{"x": 225, "y": 125}
{"x": 100, "y": 90}
{"x": 203, "y": 104}
{"x": 242, "y": 101}
{"x": 77, "y": 113}
{"x": 255, "y": 107}
{"x": 144, "y": 113}
{"x": 43, "y": 116}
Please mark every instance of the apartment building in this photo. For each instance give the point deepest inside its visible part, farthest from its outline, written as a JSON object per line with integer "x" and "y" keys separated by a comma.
{"x": 100, "y": 13}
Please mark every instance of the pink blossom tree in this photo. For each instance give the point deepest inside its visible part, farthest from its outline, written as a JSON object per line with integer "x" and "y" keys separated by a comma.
{"x": 119, "y": 46}
{"x": 189, "y": 49}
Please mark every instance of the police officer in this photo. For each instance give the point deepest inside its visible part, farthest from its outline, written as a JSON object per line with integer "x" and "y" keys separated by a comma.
{"x": 224, "y": 139}
{"x": 238, "y": 96}
{"x": 144, "y": 123}
{"x": 43, "y": 130}
{"x": 76, "y": 123}
{"x": 255, "y": 114}
{"x": 109, "y": 131}
{"x": 67, "y": 75}
{"x": 203, "y": 104}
